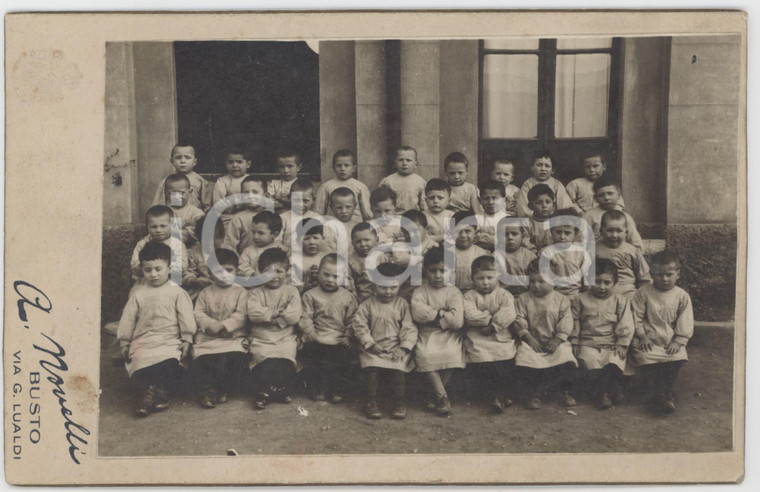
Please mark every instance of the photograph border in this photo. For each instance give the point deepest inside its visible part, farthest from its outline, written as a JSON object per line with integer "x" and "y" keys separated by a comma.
{"x": 75, "y": 109}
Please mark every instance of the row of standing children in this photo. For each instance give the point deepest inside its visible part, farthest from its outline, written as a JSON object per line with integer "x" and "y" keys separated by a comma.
{"x": 542, "y": 329}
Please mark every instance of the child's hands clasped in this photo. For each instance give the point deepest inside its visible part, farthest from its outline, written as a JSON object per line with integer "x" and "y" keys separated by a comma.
{"x": 576, "y": 350}
{"x": 488, "y": 330}
{"x": 551, "y": 346}
{"x": 125, "y": 353}
{"x": 673, "y": 347}
{"x": 645, "y": 344}
{"x": 398, "y": 354}
{"x": 533, "y": 344}
{"x": 375, "y": 349}
{"x": 185, "y": 350}
{"x": 620, "y": 351}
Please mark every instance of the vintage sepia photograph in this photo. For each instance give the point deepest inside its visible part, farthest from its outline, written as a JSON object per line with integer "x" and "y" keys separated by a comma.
{"x": 376, "y": 248}
{"x": 638, "y": 137}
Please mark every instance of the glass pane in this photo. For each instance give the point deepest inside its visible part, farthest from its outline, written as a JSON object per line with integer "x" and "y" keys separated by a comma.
{"x": 581, "y": 95}
{"x": 510, "y": 96}
{"x": 511, "y": 44}
{"x": 583, "y": 43}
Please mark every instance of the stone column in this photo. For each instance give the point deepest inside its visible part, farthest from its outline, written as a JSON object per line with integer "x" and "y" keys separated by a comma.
{"x": 155, "y": 116}
{"x": 120, "y": 197}
{"x": 643, "y": 127}
{"x": 420, "y": 109}
{"x": 459, "y": 102}
{"x": 371, "y": 125}
{"x": 337, "y": 101}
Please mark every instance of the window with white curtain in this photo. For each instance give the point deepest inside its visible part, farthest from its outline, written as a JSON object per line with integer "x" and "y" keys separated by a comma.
{"x": 581, "y": 94}
{"x": 569, "y": 77}
{"x": 510, "y": 88}
{"x": 557, "y": 95}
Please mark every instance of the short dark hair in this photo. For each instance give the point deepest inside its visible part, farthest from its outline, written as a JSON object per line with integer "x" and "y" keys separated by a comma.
{"x": 237, "y": 150}
{"x": 331, "y": 258}
{"x": 533, "y": 267}
{"x": 416, "y": 216}
{"x": 437, "y": 184}
{"x": 362, "y": 226}
{"x": 538, "y": 190}
{"x": 344, "y": 153}
{"x": 309, "y": 227}
{"x": 155, "y": 250}
{"x": 456, "y": 157}
{"x": 198, "y": 229}
{"x": 175, "y": 178}
{"x": 407, "y": 148}
{"x": 272, "y": 256}
{"x": 432, "y": 257}
{"x": 595, "y": 153}
{"x": 342, "y": 192}
{"x": 483, "y": 263}
{"x": 541, "y": 154}
{"x": 301, "y": 184}
{"x": 218, "y": 228}
{"x": 666, "y": 257}
{"x": 612, "y": 215}
{"x": 255, "y": 179}
{"x": 492, "y": 184}
{"x": 605, "y": 181}
{"x": 569, "y": 212}
{"x": 158, "y": 211}
{"x": 226, "y": 257}
{"x": 503, "y": 160}
{"x": 605, "y": 265}
{"x": 285, "y": 152}
{"x": 271, "y": 219}
{"x": 388, "y": 269}
{"x": 183, "y": 144}
{"x": 382, "y": 194}
{"x": 461, "y": 216}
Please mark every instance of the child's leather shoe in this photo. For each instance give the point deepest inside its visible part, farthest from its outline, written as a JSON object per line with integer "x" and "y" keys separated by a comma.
{"x": 372, "y": 411}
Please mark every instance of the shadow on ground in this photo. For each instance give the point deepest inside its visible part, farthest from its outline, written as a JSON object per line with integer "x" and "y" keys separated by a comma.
{"x": 701, "y": 423}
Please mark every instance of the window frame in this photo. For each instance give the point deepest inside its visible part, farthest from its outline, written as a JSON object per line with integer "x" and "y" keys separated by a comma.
{"x": 547, "y": 53}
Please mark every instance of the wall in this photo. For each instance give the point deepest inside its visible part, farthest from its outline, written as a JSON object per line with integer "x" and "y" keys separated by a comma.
{"x": 437, "y": 95}
{"x": 420, "y": 100}
{"x": 120, "y": 147}
{"x": 459, "y": 101}
{"x": 337, "y": 101}
{"x": 140, "y": 127}
{"x": 156, "y": 116}
{"x": 703, "y": 153}
{"x": 643, "y": 130}
{"x": 703, "y": 129}
{"x": 371, "y": 110}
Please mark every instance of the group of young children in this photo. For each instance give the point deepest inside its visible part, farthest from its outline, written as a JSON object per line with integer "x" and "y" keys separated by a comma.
{"x": 317, "y": 313}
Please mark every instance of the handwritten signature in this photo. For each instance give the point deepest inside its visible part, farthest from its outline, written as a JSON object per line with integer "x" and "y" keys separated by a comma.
{"x": 54, "y": 367}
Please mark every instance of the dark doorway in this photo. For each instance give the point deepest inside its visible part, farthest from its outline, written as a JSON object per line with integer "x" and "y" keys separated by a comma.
{"x": 258, "y": 95}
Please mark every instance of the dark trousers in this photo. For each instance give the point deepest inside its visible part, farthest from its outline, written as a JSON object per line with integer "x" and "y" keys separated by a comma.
{"x": 394, "y": 376}
{"x": 167, "y": 373}
{"x": 604, "y": 380}
{"x": 493, "y": 378}
{"x": 661, "y": 377}
{"x": 219, "y": 372}
{"x": 325, "y": 366}
{"x": 274, "y": 377}
{"x": 550, "y": 379}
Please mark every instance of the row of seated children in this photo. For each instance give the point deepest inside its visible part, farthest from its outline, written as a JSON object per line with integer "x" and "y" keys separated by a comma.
{"x": 343, "y": 202}
{"x": 586, "y": 195}
{"x": 350, "y": 202}
{"x": 537, "y": 338}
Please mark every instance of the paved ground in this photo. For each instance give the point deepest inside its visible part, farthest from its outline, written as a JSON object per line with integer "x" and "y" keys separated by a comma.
{"x": 702, "y": 422}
